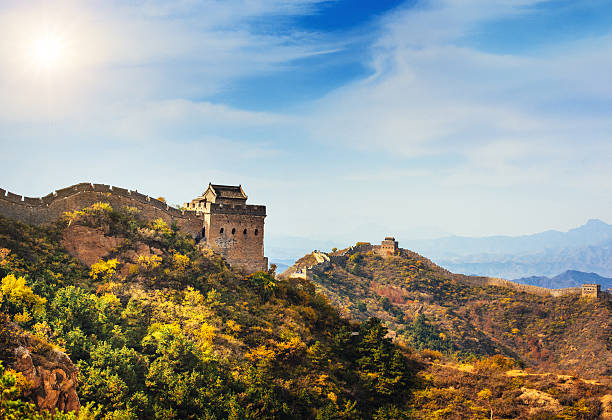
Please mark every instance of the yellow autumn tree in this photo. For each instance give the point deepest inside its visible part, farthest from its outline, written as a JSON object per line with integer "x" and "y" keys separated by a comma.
{"x": 149, "y": 262}
{"x": 104, "y": 270}
{"x": 161, "y": 227}
{"x": 180, "y": 262}
{"x": 21, "y": 297}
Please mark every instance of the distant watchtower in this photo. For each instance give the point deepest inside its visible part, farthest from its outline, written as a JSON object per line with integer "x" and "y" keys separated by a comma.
{"x": 231, "y": 227}
{"x": 388, "y": 247}
{"x": 591, "y": 290}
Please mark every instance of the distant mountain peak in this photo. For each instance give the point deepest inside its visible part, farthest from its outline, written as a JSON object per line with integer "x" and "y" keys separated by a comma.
{"x": 568, "y": 278}
{"x": 596, "y": 222}
{"x": 592, "y": 225}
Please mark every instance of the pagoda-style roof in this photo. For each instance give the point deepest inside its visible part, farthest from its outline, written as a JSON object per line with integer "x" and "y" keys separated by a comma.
{"x": 227, "y": 191}
{"x": 232, "y": 195}
{"x": 224, "y": 194}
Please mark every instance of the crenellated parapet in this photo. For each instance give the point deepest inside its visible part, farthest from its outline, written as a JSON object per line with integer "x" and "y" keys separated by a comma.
{"x": 225, "y": 224}
{"x": 67, "y": 192}
{"x": 247, "y": 209}
{"x": 47, "y": 209}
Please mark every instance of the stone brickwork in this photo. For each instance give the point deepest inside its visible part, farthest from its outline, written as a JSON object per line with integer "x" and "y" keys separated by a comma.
{"x": 519, "y": 287}
{"x": 243, "y": 248}
{"x": 232, "y": 228}
{"x": 47, "y": 209}
{"x": 388, "y": 247}
{"x": 323, "y": 261}
{"x": 591, "y": 290}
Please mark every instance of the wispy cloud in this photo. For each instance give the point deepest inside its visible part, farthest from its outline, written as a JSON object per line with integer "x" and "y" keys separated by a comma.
{"x": 448, "y": 133}
{"x": 116, "y": 52}
{"x": 509, "y": 119}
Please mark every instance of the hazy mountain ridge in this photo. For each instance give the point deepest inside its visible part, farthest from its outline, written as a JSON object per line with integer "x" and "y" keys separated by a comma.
{"x": 587, "y": 248}
{"x": 593, "y": 258}
{"x": 593, "y": 232}
{"x": 570, "y": 278}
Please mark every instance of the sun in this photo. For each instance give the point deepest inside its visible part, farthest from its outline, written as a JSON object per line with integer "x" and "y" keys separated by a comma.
{"x": 48, "y": 51}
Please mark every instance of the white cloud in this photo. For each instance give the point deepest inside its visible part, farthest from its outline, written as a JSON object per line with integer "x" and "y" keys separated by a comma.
{"x": 445, "y": 134}
{"x": 509, "y": 119}
{"x": 153, "y": 118}
{"x": 117, "y": 53}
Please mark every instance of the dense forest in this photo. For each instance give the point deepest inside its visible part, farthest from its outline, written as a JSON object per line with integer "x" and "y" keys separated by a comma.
{"x": 156, "y": 327}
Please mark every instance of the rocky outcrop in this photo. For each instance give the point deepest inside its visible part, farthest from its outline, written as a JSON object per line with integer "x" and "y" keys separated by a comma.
{"x": 50, "y": 372}
{"x": 53, "y": 378}
{"x": 89, "y": 244}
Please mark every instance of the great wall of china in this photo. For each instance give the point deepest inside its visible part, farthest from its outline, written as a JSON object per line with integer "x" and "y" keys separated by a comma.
{"x": 47, "y": 209}
{"x": 40, "y": 210}
{"x": 324, "y": 260}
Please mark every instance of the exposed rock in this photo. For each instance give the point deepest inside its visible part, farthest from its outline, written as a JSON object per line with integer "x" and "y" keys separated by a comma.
{"x": 51, "y": 373}
{"x": 89, "y": 244}
{"x": 53, "y": 378}
{"x": 132, "y": 255}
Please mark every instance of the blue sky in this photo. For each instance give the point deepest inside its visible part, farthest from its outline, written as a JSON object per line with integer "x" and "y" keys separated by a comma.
{"x": 349, "y": 119}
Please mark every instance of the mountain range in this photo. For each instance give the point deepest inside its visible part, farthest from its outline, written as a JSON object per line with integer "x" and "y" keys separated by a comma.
{"x": 587, "y": 248}
{"x": 570, "y": 278}
{"x": 127, "y": 318}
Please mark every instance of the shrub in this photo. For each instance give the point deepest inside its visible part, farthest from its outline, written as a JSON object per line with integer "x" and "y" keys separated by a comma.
{"x": 104, "y": 270}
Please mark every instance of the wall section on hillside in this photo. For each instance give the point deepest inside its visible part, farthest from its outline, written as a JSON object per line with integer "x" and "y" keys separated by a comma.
{"x": 41, "y": 210}
{"x": 527, "y": 288}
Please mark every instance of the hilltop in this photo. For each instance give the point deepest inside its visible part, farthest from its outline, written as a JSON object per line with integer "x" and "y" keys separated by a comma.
{"x": 426, "y": 306}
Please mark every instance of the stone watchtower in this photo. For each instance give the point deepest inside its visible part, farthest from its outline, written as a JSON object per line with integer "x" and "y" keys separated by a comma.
{"x": 388, "y": 247}
{"x": 591, "y": 290}
{"x": 231, "y": 227}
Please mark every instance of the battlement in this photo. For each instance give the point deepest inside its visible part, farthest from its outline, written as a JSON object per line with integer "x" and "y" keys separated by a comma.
{"x": 246, "y": 209}
{"x": 527, "y": 288}
{"x": 85, "y": 187}
{"x": 47, "y": 209}
{"x": 591, "y": 290}
{"x": 388, "y": 247}
{"x": 228, "y": 225}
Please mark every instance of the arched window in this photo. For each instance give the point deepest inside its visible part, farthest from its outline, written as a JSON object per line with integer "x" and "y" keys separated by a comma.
{"x": 221, "y": 231}
{"x": 233, "y": 231}
{"x": 244, "y": 232}
{"x": 256, "y": 232}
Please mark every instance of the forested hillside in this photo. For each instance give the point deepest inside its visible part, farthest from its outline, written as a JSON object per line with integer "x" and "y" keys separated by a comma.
{"x": 426, "y": 306}
{"x": 159, "y": 328}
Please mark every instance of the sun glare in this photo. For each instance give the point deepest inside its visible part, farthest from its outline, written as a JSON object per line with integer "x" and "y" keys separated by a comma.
{"x": 48, "y": 51}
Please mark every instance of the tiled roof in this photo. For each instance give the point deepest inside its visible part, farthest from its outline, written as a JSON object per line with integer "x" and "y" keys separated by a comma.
{"x": 228, "y": 191}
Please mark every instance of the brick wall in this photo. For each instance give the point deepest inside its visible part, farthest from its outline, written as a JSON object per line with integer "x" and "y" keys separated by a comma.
{"x": 51, "y": 207}
{"x": 241, "y": 249}
{"x": 239, "y": 238}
